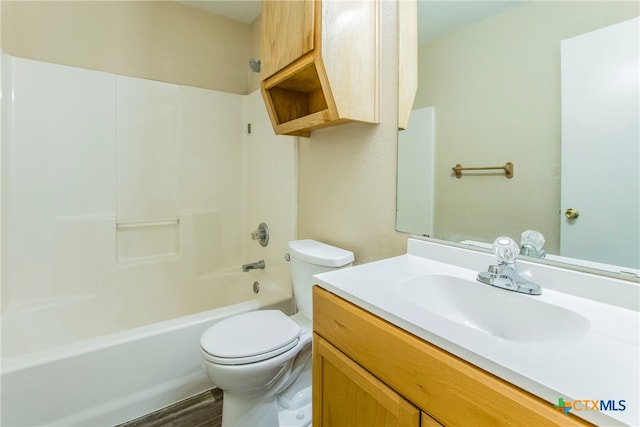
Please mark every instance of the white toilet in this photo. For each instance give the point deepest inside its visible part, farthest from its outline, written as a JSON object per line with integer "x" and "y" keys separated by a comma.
{"x": 261, "y": 360}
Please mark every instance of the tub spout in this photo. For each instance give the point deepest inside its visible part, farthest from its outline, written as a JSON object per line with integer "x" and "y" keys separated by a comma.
{"x": 253, "y": 266}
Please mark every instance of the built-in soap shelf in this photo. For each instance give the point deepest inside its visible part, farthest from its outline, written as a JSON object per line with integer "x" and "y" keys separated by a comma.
{"x": 147, "y": 240}
{"x": 134, "y": 224}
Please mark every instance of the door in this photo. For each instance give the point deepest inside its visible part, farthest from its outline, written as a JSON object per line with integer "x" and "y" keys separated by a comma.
{"x": 345, "y": 394}
{"x": 415, "y": 181}
{"x": 600, "y": 146}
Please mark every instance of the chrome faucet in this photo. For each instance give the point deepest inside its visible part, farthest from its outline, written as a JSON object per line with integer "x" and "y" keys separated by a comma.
{"x": 504, "y": 275}
{"x": 253, "y": 266}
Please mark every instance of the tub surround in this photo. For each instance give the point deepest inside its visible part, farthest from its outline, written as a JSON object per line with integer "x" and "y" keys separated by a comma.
{"x": 85, "y": 215}
{"x": 601, "y": 362}
{"x": 99, "y": 164}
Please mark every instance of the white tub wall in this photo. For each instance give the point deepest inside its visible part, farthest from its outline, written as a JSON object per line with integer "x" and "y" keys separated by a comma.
{"x": 212, "y": 153}
{"x": 3, "y": 97}
{"x": 272, "y": 185}
{"x": 2, "y": 192}
{"x": 63, "y": 175}
{"x": 59, "y": 164}
{"x": 147, "y": 143}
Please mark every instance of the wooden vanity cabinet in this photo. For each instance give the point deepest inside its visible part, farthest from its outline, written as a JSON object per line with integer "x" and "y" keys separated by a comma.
{"x": 347, "y": 386}
{"x": 368, "y": 372}
{"x": 320, "y": 63}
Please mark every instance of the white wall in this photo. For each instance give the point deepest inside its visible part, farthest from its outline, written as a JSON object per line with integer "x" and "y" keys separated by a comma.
{"x": 347, "y": 178}
{"x": 85, "y": 150}
{"x": 158, "y": 40}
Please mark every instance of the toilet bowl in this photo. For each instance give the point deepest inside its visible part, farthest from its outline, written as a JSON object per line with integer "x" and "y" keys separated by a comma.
{"x": 261, "y": 360}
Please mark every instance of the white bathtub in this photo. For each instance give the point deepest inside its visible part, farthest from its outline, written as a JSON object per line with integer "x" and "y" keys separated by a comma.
{"x": 81, "y": 362}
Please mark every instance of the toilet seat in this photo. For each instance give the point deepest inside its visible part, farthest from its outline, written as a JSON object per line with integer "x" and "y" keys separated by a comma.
{"x": 249, "y": 338}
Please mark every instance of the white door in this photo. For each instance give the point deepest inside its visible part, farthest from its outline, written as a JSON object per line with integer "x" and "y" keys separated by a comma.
{"x": 600, "y": 145}
{"x": 414, "y": 204}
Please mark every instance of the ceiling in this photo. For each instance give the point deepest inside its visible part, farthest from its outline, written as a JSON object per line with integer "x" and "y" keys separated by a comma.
{"x": 241, "y": 10}
{"x": 436, "y": 17}
{"x": 439, "y": 17}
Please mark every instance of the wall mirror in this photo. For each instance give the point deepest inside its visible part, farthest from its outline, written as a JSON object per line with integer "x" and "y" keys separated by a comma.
{"x": 505, "y": 81}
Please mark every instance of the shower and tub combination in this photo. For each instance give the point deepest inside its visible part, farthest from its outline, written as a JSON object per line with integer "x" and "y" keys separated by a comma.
{"x": 127, "y": 215}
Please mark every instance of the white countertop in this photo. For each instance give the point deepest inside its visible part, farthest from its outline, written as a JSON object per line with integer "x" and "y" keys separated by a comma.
{"x": 601, "y": 364}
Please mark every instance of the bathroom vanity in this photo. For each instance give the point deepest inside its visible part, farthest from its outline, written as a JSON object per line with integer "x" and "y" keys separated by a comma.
{"x": 362, "y": 358}
{"x": 384, "y": 355}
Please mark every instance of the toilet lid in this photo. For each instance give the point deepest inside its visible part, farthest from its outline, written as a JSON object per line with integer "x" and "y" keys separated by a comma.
{"x": 250, "y": 337}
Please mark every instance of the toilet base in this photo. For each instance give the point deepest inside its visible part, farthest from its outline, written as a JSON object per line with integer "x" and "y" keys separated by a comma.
{"x": 242, "y": 410}
{"x": 298, "y": 412}
{"x": 289, "y": 408}
{"x": 262, "y": 411}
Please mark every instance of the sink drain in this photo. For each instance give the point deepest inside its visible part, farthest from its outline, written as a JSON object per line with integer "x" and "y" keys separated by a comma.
{"x": 256, "y": 287}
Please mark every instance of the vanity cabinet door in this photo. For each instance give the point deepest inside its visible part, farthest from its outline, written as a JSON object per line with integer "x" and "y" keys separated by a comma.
{"x": 344, "y": 394}
{"x": 429, "y": 421}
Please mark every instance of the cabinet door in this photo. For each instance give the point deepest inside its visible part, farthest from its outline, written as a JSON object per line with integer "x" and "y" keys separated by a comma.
{"x": 429, "y": 421}
{"x": 344, "y": 394}
{"x": 287, "y": 33}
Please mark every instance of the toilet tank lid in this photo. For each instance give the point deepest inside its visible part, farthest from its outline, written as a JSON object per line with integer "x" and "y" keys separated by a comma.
{"x": 320, "y": 253}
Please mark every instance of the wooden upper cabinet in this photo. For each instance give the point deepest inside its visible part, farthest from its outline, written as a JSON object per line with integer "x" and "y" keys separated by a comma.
{"x": 407, "y": 59}
{"x": 287, "y": 33}
{"x": 320, "y": 63}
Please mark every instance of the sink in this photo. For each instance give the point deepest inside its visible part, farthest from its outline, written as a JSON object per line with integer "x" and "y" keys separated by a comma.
{"x": 501, "y": 313}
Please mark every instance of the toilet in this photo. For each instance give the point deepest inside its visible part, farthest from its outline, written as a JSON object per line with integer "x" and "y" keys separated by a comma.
{"x": 261, "y": 360}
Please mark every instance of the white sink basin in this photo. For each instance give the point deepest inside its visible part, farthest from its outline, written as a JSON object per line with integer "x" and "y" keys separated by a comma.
{"x": 501, "y": 313}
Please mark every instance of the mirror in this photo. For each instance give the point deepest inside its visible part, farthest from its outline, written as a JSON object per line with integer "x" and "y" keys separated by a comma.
{"x": 490, "y": 75}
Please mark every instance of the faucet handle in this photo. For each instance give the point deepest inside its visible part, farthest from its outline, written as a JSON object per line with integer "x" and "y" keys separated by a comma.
{"x": 506, "y": 250}
{"x": 532, "y": 238}
{"x": 261, "y": 234}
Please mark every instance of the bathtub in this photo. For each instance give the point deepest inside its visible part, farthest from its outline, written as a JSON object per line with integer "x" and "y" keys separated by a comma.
{"x": 76, "y": 362}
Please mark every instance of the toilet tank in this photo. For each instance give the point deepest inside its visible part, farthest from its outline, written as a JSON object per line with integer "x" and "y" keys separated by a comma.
{"x": 309, "y": 257}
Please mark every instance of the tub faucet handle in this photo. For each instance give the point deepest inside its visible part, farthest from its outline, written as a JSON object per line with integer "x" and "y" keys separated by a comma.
{"x": 261, "y": 234}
